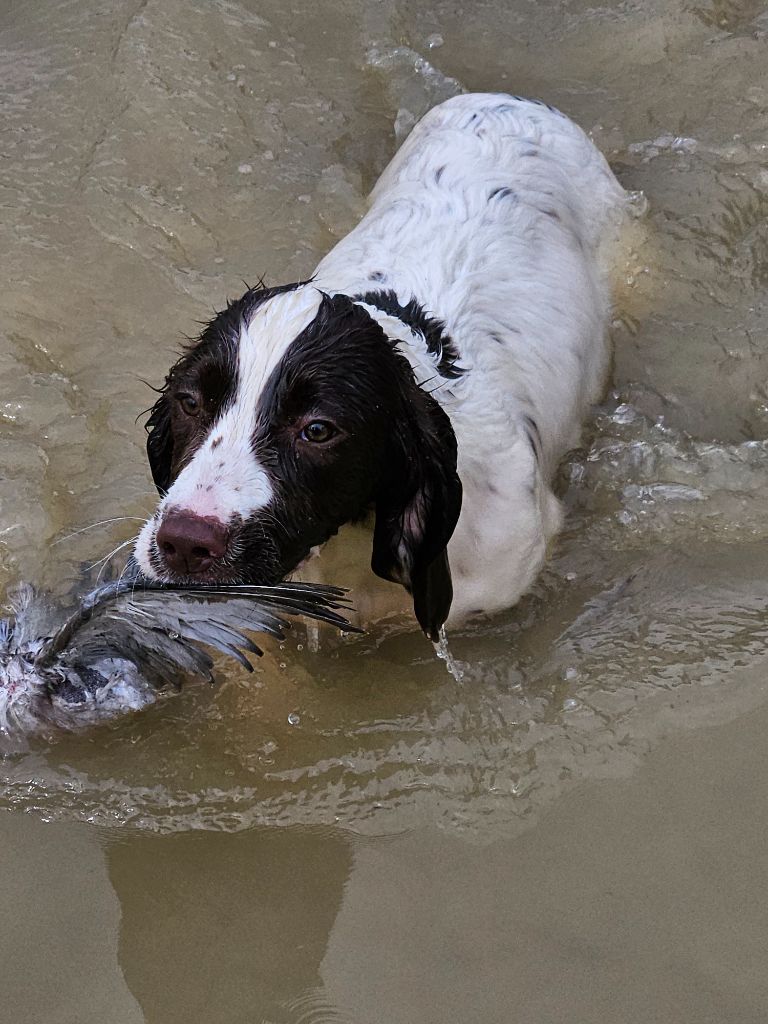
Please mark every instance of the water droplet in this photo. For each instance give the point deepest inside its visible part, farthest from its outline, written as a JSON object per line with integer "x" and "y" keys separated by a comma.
{"x": 571, "y": 704}
{"x": 571, "y": 673}
{"x": 173, "y": 635}
{"x": 434, "y": 41}
{"x": 638, "y": 203}
{"x": 624, "y": 414}
{"x": 293, "y": 718}
{"x": 299, "y": 647}
{"x": 444, "y": 654}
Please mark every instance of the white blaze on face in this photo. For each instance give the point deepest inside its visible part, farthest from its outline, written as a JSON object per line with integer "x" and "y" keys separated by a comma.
{"x": 224, "y": 478}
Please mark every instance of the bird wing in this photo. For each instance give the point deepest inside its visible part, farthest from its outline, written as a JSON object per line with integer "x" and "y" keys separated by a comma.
{"x": 165, "y": 630}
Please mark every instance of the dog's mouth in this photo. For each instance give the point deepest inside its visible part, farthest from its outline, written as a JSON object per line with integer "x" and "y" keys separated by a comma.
{"x": 255, "y": 562}
{"x": 222, "y": 573}
{"x": 228, "y": 577}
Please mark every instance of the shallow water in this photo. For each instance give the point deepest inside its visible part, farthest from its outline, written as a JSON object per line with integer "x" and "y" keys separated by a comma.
{"x": 157, "y": 153}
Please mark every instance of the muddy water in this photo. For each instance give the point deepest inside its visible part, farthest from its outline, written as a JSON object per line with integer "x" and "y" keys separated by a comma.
{"x": 574, "y": 831}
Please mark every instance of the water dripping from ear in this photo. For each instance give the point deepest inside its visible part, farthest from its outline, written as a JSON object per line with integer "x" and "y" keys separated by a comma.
{"x": 443, "y": 651}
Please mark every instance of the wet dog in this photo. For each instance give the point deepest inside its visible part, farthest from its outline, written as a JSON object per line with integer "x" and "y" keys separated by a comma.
{"x": 434, "y": 370}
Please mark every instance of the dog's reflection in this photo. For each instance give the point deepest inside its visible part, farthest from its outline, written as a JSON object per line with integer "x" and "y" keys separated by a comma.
{"x": 226, "y": 927}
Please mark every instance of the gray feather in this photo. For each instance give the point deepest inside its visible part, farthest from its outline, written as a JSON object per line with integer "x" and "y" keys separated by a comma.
{"x": 128, "y": 639}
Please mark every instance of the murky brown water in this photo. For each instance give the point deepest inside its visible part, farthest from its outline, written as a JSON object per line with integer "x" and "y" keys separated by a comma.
{"x": 413, "y": 849}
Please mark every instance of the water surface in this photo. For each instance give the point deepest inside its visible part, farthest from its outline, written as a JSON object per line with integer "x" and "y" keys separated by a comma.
{"x": 334, "y": 865}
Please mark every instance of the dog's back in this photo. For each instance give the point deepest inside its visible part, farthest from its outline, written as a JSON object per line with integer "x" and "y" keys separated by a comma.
{"x": 492, "y": 215}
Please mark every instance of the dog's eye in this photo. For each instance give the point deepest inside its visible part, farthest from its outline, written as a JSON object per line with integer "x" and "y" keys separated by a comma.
{"x": 318, "y": 431}
{"x": 189, "y": 404}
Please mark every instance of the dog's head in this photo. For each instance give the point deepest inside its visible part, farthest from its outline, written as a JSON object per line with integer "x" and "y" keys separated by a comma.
{"x": 292, "y": 415}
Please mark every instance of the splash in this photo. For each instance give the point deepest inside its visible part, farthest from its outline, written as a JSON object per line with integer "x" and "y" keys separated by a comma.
{"x": 443, "y": 651}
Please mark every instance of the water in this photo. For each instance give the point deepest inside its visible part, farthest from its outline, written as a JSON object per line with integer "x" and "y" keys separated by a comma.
{"x": 578, "y": 823}
{"x": 443, "y": 652}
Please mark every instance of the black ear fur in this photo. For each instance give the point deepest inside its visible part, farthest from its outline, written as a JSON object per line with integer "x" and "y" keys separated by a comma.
{"x": 160, "y": 443}
{"x": 417, "y": 509}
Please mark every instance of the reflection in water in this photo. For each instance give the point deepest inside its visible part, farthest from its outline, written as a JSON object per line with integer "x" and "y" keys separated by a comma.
{"x": 631, "y": 901}
{"x": 59, "y": 921}
{"x": 227, "y": 928}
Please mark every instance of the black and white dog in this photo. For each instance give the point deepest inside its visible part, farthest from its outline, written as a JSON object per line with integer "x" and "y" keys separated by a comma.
{"x": 434, "y": 370}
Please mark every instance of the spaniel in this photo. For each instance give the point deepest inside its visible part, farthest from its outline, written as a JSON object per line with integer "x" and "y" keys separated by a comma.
{"x": 433, "y": 371}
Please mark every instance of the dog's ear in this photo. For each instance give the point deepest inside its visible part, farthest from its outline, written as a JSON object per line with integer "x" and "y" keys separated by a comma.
{"x": 160, "y": 443}
{"x": 417, "y": 509}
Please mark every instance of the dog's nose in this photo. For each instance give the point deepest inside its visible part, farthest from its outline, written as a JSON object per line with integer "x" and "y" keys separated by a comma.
{"x": 190, "y": 544}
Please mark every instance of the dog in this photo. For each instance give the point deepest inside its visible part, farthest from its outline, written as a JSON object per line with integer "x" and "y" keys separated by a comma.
{"x": 433, "y": 371}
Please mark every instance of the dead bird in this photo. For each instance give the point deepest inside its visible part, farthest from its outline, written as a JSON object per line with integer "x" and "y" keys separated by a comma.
{"x": 127, "y": 641}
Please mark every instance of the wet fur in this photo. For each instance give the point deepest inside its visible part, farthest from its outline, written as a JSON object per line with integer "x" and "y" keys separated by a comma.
{"x": 457, "y": 336}
{"x": 397, "y": 453}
